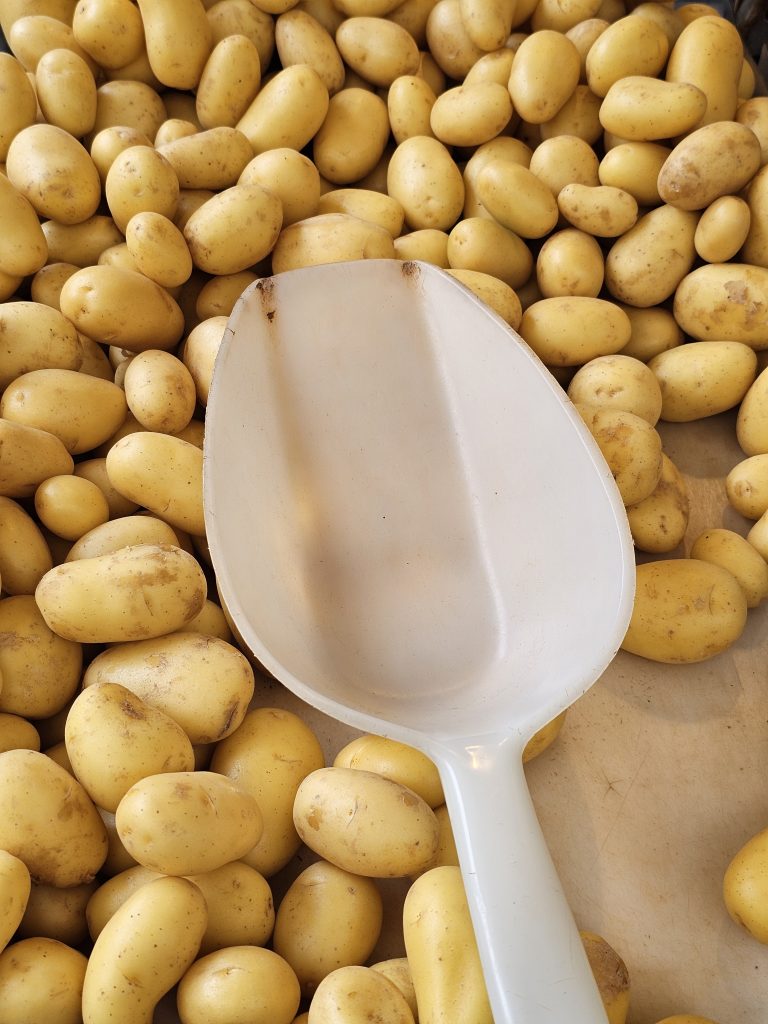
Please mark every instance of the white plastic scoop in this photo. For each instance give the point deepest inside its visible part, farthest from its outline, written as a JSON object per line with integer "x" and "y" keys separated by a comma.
{"x": 413, "y": 531}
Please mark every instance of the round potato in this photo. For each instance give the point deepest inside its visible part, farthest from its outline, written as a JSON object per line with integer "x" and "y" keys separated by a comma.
{"x": 160, "y": 391}
{"x": 289, "y": 175}
{"x": 240, "y": 907}
{"x": 494, "y": 293}
{"x": 399, "y": 973}
{"x": 469, "y": 115}
{"x": 724, "y": 302}
{"x": 158, "y": 249}
{"x": 56, "y": 913}
{"x": 66, "y": 92}
{"x": 17, "y": 733}
{"x": 24, "y": 554}
{"x": 377, "y": 49}
{"x": 410, "y": 99}
{"x": 367, "y": 204}
{"x": 42, "y": 978}
{"x": 200, "y": 351}
{"x": 517, "y": 199}
{"x": 300, "y": 38}
{"x": 239, "y": 985}
{"x": 110, "y": 31}
{"x": 658, "y": 523}
{"x": 734, "y": 553}
{"x": 428, "y": 244}
{"x": 685, "y": 610}
{"x": 480, "y": 244}
{"x": 570, "y": 262}
{"x": 395, "y": 761}
{"x": 357, "y": 993}
{"x": 70, "y": 506}
{"x": 703, "y": 378}
{"x": 722, "y": 229}
{"x": 426, "y": 181}
{"x": 27, "y": 457}
{"x": 746, "y": 486}
{"x": 634, "y": 167}
{"x": 563, "y": 160}
{"x": 212, "y": 159}
{"x": 80, "y": 244}
{"x": 631, "y": 447}
{"x": 448, "y": 41}
{"x": 140, "y": 179}
{"x": 572, "y": 329}
{"x": 618, "y": 382}
{"x": 23, "y": 246}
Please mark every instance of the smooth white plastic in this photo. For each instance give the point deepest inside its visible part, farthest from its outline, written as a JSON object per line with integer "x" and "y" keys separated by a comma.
{"x": 413, "y": 530}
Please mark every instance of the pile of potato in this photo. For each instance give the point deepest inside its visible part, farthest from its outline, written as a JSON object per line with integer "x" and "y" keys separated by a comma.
{"x": 595, "y": 170}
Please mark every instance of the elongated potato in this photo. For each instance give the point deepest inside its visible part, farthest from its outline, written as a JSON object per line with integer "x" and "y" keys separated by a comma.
{"x": 730, "y": 550}
{"x": 626, "y": 47}
{"x": 599, "y": 210}
{"x": 287, "y": 111}
{"x": 639, "y": 108}
{"x": 28, "y": 456}
{"x": 234, "y": 229}
{"x": 752, "y": 421}
{"x": 709, "y": 54}
{"x": 352, "y": 137}
{"x": 572, "y": 329}
{"x": 228, "y": 82}
{"x": 544, "y": 75}
{"x": 517, "y": 199}
{"x": 18, "y": 103}
{"x": 703, "y": 378}
{"x": 24, "y": 553}
{"x": 330, "y": 238}
{"x": 715, "y": 160}
{"x": 644, "y": 266}
{"x": 132, "y": 594}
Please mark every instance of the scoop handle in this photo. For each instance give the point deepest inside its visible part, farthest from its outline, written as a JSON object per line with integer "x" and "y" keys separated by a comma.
{"x": 534, "y": 963}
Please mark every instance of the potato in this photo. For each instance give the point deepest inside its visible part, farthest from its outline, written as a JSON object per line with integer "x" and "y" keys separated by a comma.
{"x": 154, "y": 936}
{"x": 160, "y": 391}
{"x": 570, "y": 262}
{"x": 187, "y": 822}
{"x": 618, "y": 382}
{"x": 493, "y": 292}
{"x": 289, "y": 175}
{"x": 703, "y": 378}
{"x": 734, "y": 553}
{"x": 469, "y": 115}
{"x": 219, "y": 295}
{"x": 724, "y": 302}
{"x": 480, "y": 244}
{"x": 210, "y": 159}
{"x": 611, "y": 975}
{"x": 377, "y": 49}
{"x": 541, "y": 740}
{"x": 131, "y": 104}
{"x": 600, "y": 210}
{"x": 122, "y": 307}
{"x": 746, "y": 486}
{"x": 54, "y": 172}
{"x": 158, "y": 249}
{"x": 722, "y": 229}
{"x": 18, "y": 103}
{"x": 448, "y": 41}
{"x": 645, "y": 266}
{"x": 627, "y": 47}
{"x": 17, "y": 733}
{"x": 239, "y": 985}
{"x": 758, "y": 536}
{"x": 685, "y": 610}
{"x": 428, "y": 244}
{"x": 66, "y": 91}
{"x": 744, "y": 886}
{"x": 229, "y": 81}
{"x": 234, "y": 229}
{"x": 572, "y": 329}
{"x": 110, "y": 31}
{"x": 211, "y": 621}
{"x": 561, "y": 16}
{"x": 752, "y": 421}
{"x": 327, "y": 919}
{"x": 15, "y": 886}
{"x": 715, "y": 160}
{"x": 631, "y": 447}
{"x": 48, "y": 821}
{"x": 301, "y": 39}
{"x": 33, "y": 34}
{"x": 252, "y": 756}
{"x": 352, "y": 137}
{"x": 441, "y": 949}
{"x": 544, "y": 75}
{"x": 240, "y": 907}
{"x": 425, "y": 180}
{"x": 330, "y": 238}
{"x": 178, "y": 38}
{"x": 23, "y": 247}
{"x": 162, "y": 473}
{"x": 40, "y": 670}
{"x": 563, "y": 160}
{"x": 70, "y": 506}
{"x": 708, "y": 54}
{"x": 639, "y": 108}
{"x": 634, "y": 167}
{"x": 27, "y": 457}
{"x": 59, "y": 914}
{"x": 658, "y": 523}
{"x": 42, "y": 978}
{"x": 654, "y": 330}
{"x": 140, "y": 179}
{"x": 108, "y": 143}
{"x": 375, "y": 207}
{"x": 202, "y": 683}
{"x": 200, "y": 351}
{"x": 358, "y": 993}
{"x": 135, "y": 593}
{"x": 287, "y": 111}
{"x": 395, "y": 761}
{"x": 517, "y": 199}
{"x": 503, "y": 148}
{"x": 754, "y": 114}
{"x": 96, "y": 470}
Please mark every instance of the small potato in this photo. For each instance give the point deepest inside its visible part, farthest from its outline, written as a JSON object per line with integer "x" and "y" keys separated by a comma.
{"x": 40, "y": 670}
{"x": 95, "y": 470}
{"x": 658, "y": 522}
{"x": 469, "y": 115}
{"x": 365, "y": 823}
{"x": 618, "y": 382}
{"x": 746, "y": 486}
{"x": 410, "y": 99}
{"x": 428, "y": 244}
{"x": 16, "y": 733}
{"x": 110, "y": 31}
{"x": 480, "y": 244}
{"x": 234, "y": 18}
{"x": 200, "y": 351}
{"x": 399, "y": 973}
{"x": 639, "y": 108}
{"x": 229, "y": 82}
{"x": 395, "y": 761}
{"x": 239, "y": 985}
{"x": 287, "y": 111}
{"x": 517, "y": 199}
{"x": 685, "y": 611}
{"x": 301, "y": 39}
{"x": 109, "y": 142}
{"x": 631, "y": 447}
{"x": 488, "y": 25}
{"x": 27, "y": 457}
{"x": 48, "y": 821}
{"x": 544, "y": 75}
{"x": 178, "y": 38}
{"x": 376, "y": 207}
{"x": 45, "y": 286}
{"x": 627, "y": 47}
{"x": 66, "y": 92}
{"x": 114, "y": 739}
{"x": 448, "y": 41}
{"x": 583, "y": 35}
{"x": 758, "y": 536}
{"x": 377, "y": 49}
{"x": 599, "y": 210}
{"x": 330, "y": 238}
{"x": 570, "y": 262}
{"x": 563, "y": 160}
{"x": 211, "y": 159}
{"x": 578, "y": 116}
{"x": 32, "y": 35}
{"x": 715, "y": 160}
{"x": 426, "y": 181}
{"x": 724, "y": 302}
{"x": 352, "y": 137}
{"x": 327, "y": 919}
{"x": 158, "y": 249}
{"x": 23, "y": 246}
{"x": 70, "y": 506}
{"x": 645, "y": 266}
{"x": 634, "y": 167}
{"x": 722, "y": 229}
{"x": 358, "y": 993}
{"x": 140, "y": 179}
{"x": 219, "y": 295}
{"x": 35, "y": 337}
{"x": 42, "y": 979}
{"x": 493, "y": 66}
{"x": 234, "y": 229}
{"x": 752, "y": 421}
{"x": 541, "y": 740}
{"x": 54, "y": 172}
{"x": 55, "y": 913}
{"x": 15, "y": 886}
{"x": 739, "y": 557}
{"x": 154, "y": 936}
{"x": 18, "y": 103}
{"x": 160, "y": 391}
{"x": 240, "y": 907}
{"x": 289, "y": 175}
{"x": 703, "y": 378}
{"x": 572, "y": 329}
{"x": 493, "y": 292}
{"x": 81, "y": 244}
{"x": 202, "y": 683}
{"x": 502, "y": 148}
{"x": 211, "y": 621}
{"x": 135, "y": 593}
{"x": 654, "y": 330}
{"x": 611, "y": 976}
{"x": 709, "y": 54}
{"x": 559, "y": 16}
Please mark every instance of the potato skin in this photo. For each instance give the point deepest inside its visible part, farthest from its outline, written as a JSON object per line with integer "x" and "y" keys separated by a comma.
{"x": 15, "y": 886}
{"x": 42, "y": 979}
{"x": 745, "y": 889}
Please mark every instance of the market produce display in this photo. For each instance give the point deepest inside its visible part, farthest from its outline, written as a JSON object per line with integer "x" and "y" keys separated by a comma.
{"x": 174, "y": 831}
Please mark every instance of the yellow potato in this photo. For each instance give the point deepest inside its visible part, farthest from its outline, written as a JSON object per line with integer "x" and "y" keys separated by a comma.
{"x": 722, "y": 229}
{"x": 234, "y": 229}
{"x": 140, "y": 179}
{"x": 755, "y": 248}
{"x": 563, "y": 160}
{"x": 301, "y": 39}
{"x": 600, "y": 210}
{"x": 48, "y": 821}
{"x": 358, "y": 993}
{"x": 202, "y": 683}
{"x": 583, "y": 35}
{"x": 229, "y": 81}
{"x": 611, "y": 975}
{"x": 629, "y": 46}
{"x": 158, "y": 249}
{"x": 493, "y": 292}
{"x": 645, "y": 266}
{"x": 758, "y": 536}
{"x": 96, "y": 470}
{"x": 734, "y": 553}
{"x": 212, "y": 159}
{"x": 33, "y": 35}
{"x": 480, "y": 244}
{"x": 122, "y": 307}
{"x": 634, "y": 167}
{"x": 154, "y": 936}
{"x": 15, "y": 886}
{"x": 109, "y": 142}
{"x": 66, "y": 92}
{"x": 536, "y": 745}
{"x": 289, "y": 175}
{"x": 54, "y": 172}
{"x": 42, "y": 978}
{"x": 211, "y": 621}
{"x": 428, "y": 244}
{"x": 187, "y": 822}
{"x": 134, "y": 593}
{"x": 82, "y": 411}
{"x": 639, "y": 108}
{"x": 110, "y": 31}
{"x": 330, "y": 238}
{"x": 120, "y": 533}
{"x": 27, "y": 457}
{"x": 544, "y": 75}
{"x": 754, "y": 114}
{"x": 240, "y": 907}
{"x": 703, "y": 378}
{"x": 746, "y": 486}
{"x": 715, "y": 160}
{"x": 517, "y": 199}
{"x": 18, "y": 103}
{"x": 218, "y": 296}
{"x": 572, "y": 329}
{"x": 618, "y": 382}
{"x": 658, "y": 522}
{"x": 448, "y": 41}
{"x": 685, "y": 610}
{"x": 654, "y": 330}
{"x": 744, "y": 886}
{"x": 129, "y": 103}
{"x": 327, "y": 919}
{"x": 708, "y": 54}
{"x": 287, "y": 111}
{"x": 579, "y": 116}
{"x": 239, "y": 985}
{"x": 16, "y": 732}
{"x": 241, "y": 17}
{"x": 45, "y": 287}
{"x": 178, "y": 38}
{"x": 395, "y": 761}
{"x": 561, "y": 15}
{"x": 631, "y": 447}
{"x": 40, "y": 670}
{"x": 352, "y": 138}
{"x": 55, "y": 913}
{"x": 36, "y": 337}
{"x": 377, "y": 49}
{"x": 200, "y": 351}
{"x": 410, "y": 99}
{"x": 399, "y": 973}
{"x": 376, "y": 207}
{"x": 70, "y": 506}
{"x": 570, "y": 262}
{"x": 160, "y": 391}
{"x": 441, "y": 949}
{"x": 23, "y": 246}
{"x": 724, "y": 302}
{"x": 752, "y": 421}
{"x": 81, "y": 244}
